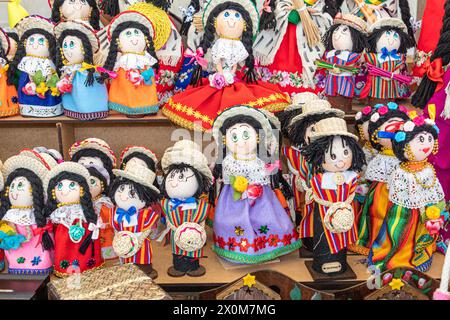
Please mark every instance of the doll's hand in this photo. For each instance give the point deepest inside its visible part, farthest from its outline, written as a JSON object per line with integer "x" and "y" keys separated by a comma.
{"x": 29, "y": 89}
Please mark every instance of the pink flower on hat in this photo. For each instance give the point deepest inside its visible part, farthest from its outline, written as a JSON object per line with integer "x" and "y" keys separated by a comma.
{"x": 383, "y": 110}
{"x": 358, "y": 115}
{"x": 403, "y": 109}
{"x": 408, "y": 126}
{"x": 419, "y": 121}
{"x": 367, "y": 110}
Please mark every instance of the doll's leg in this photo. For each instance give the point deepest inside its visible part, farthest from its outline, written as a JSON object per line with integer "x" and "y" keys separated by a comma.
{"x": 178, "y": 269}
{"x": 148, "y": 269}
{"x": 196, "y": 270}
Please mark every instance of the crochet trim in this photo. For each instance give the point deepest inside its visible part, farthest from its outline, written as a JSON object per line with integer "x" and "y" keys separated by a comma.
{"x": 13, "y": 112}
{"x": 86, "y": 116}
{"x": 41, "y": 111}
{"x": 359, "y": 249}
{"x": 131, "y": 111}
{"x": 31, "y": 271}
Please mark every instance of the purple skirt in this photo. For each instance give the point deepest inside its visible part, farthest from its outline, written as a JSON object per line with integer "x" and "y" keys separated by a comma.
{"x": 250, "y": 234}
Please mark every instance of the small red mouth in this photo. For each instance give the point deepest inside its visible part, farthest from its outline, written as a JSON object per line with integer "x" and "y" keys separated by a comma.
{"x": 425, "y": 150}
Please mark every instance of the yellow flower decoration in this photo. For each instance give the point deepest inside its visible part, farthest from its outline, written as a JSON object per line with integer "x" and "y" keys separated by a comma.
{"x": 412, "y": 114}
{"x": 41, "y": 88}
{"x": 249, "y": 280}
{"x": 240, "y": 184}
{"x": 6, "y": 228}
{"x": 433, "y": 212}
{"x": 55, "y": 92}
{"x": 396, "y": 284}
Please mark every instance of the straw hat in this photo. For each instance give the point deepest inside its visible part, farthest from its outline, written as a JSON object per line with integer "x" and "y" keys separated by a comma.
{"x": 72, "y": 167}
{"x": 93, "y": 143}
{"x": 239, "y": 111}
{"x": 331, "y": 127}
{"x": 132, "y": 149}
{"x": 4, "y": 40}
{"x": 300, "y": 99}
{"x": 188, "y": 152}
{"x": 351, "y": 21}
{"x": 130, "y": 16}
{"x": 32, "y": 22}
{"x": 248, "y": 5}
{"x": 81, "y": 26}
{"x": 316, "y": 107}
{"x": 45, "y": 158}
{"x": 138, "y": 174}
{"x": 388, "y": 22}
{"x": 23, "y": 161}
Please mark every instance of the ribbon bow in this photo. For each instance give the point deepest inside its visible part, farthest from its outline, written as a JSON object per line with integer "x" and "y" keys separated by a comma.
{"x": 95, "y": 228}
{"x": 434, "y": 71}
{"x": 266, "y": 6}
{"x": 40, "y": 232}
{"x": 197, "y": 56}
{"x": 270, "y": 167}
{"x": 386, "y": 53}
{"x": 126, "y": 213}
{"x": 86, "y": 66}
{"x": 188, "y": 13}
{"x": 178, "y": 202}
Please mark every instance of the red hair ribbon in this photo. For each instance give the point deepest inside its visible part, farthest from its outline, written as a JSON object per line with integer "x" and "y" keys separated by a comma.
{"x": 40, "y": 231}
{"x": 266, "y": 6}
{"x": 197, "y": 56}
{"x": 434, "y": 71}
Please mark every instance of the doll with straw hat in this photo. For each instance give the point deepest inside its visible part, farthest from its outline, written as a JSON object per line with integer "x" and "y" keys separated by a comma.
{"x": 84, "y": 10}
{"x": 8, "y": 92}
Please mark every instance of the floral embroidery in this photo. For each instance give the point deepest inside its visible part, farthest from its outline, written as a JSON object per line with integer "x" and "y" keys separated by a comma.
{"x": 21, "y": 260}
{"x": 273, "y": 240}
{"x": 64, "y": 264}
{"x": 282, "y": 78}
{"x": 232, "y": 244}
{"x": 15, "y": 100}
{"x": 238, "y": 231}
{"x": 75, "y": 263}
{"x": 263, "y": 229}
{"x": 91, "y": 263}
{"x": 287, "y": 239}
{"x": 36, "y": 261}
{"x": 260, "y": 242}
{"x": 165, "y": 78}
{"x": 221, "y": 242}
{"x": 244, "y": 245}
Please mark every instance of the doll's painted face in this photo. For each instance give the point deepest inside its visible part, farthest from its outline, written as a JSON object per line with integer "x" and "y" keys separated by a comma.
{"x": 421, "y": 146}
{"x": 20, "y": 192}
{"x": 230, "y": 24}
{"x": 12, "y": 49}
{"x": 126, "y": 197}
{"x": 342, "y": 38}
{"x": 37, "y": 45}
{"x": 338, "y": 156}
{"x": 73, "y": 50}
{"x": 95, "y": 186}
{"x": 242, "y": 139}
{"x": 181, "y": 184}
{"x": 132, "y": 40}
{"x": 391, "y": 126}
{"x": 91, "y": 161}
{"x": 308, "y": 133}
{"x": 67, "y": 191}
{"x": 125, "y": 4}
{"x": 76, "y": 10}
{"x": 390, "y": 40}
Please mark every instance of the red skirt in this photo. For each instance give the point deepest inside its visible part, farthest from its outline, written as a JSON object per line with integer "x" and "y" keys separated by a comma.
{"x": 204, "y": 103}
{"x": 68, "y": 256}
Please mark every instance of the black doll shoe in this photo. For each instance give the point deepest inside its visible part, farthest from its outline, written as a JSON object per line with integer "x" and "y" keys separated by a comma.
{"x": 148, "y": 269}
{"x": 175, "y": 273}
{"x": 200, "y": 271}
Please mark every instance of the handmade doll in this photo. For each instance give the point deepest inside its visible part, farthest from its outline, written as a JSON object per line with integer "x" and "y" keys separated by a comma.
{"x": 93, "y": 151}
{"x": 35, "y": 59}
{"x": 229, "y": 28}
{"x": 337, "y": 158}
{"x": 389, "y": 118}
{"x": 416, "y": 207}
{"x": 300, "y": 130}
{"x": 388, "y": 42}
{"x": 84, "y": 10}
{"x": 289, "y": 42}
{"x": 250, "y": 224}
{"x": 70, "y": 208}
{"x": 84, "y": 97}
{"x": 8, "y": 92}
{"x": 28, "y": 243}
{"x": 99, "y": 187}
{"x": 344, "y": 43}
{"x": 132, "y": 56}
{"x": 132, "y": 193}
{"x": 187, "y": 178}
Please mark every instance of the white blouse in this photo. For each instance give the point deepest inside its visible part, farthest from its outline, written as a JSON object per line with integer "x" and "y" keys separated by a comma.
{"x": 253, "y": 170}
{"x": 228, "y": 52}
{"x": 31, "y": 65}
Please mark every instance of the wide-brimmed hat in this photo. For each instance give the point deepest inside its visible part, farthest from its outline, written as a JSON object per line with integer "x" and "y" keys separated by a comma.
{"x": 352, "y": 21}
{"x": 316, "y": 107}
{"x": 4, "y": 39}
{"x": 130, "y": 15}
{"x": 388, "y": 22}
{"x": 81, "y": 26}
{"x": 300, "y": 99}
{"x": 188, "y": 152}
{"x": 248, "y": 5}
{"x": 247, "y": 111}
{"x": 68, "y": 166}
{"x": 93, "y": 143}
{"x": 45, "y": 158}
{"x": 25, "y": 160}
{"x": 102, "y": 171}
{"x": 139, "y": 149}
{"x": 331, "y": 127}
{"x": 34, "y": 22}
{"x": 274, "y": 121}
{"x": 138, "y": 174}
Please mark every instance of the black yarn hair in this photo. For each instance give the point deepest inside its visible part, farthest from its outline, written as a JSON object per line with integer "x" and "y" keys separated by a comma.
{"x": 94, "y": 153}
{"x": 204, "y": 183}
{"x": 38, "y": 201}
{"x": 358, "y": 38}
{"x": 13, "y": 35}
{"x": 185, "y": 25}
{"x": 21, "y": 51}
{"x": 364, "y": 118}
{"x": 383, "y": 118}
{"x": 247, "y": 40}
{"x": 315, "y": 152}
{"x": 94, "y": 19}
{"x": 2, "y": 52}
{"x": 88, "y": 53}
{"x": 95, "y": 173}
{"x": 297, "y": 131}
{"x": 405, "y": 13}
{"x": 427, "y": 86}
{"x": 405, "y": 39}
{"x": 148, "y": 161}
{"x": 267, "y": 20}
{"x": 85, "y": 202}
{"x": 146, "y": 194}
{"x": 399, "y": 147}
{"x": 110, "y": 7}
{"x": 114, "y": 49}
{"x": 285, "y": 118}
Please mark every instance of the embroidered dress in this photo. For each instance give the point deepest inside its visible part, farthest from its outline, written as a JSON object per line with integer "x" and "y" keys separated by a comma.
{"x": 102, "y": 207}
{"x": 70, "y": 222}
{"x": 284, "y": 54}
{"x": 84, "y": 102}
{"x": 31, "y": 104}
{"x": 204, "y": 103}
{"x": 30, "y": 257}
{"x": 8, "y": 93}
{"x": 246, "y": 232}
{"x": 140, "y": 222}
{"x": 340, "y": 84}
{"x": 403, "y": 240}
{"x": 133, "y": 92}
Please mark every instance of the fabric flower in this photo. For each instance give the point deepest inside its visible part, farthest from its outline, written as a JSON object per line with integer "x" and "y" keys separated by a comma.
{"x": 134, "y": 77}
{"x": 240, "y": 184}
{"x": 232, "y": 244}
{"x": 29, "y": 89}
{"x": 400, "y": 136}
{"x": 412, "y": 114}
{"x": 285, "y": 79}
{"x": 55, "y": 92}
{"x": 254, "y": 191}
{"x": 378, "y": 105}
{"x": 244, "y": 245}
{"x": 433, "y": 226}
{"x": 367, "y": 110}
{"x": 375, "y": 117}
{"x": 90, "y": 263}
{"x": 392, "y": 105}
{"x": 433, "y": 212}
{"x": 64, "y": 264}
{"x": 358, "y": 116}
{"x": 229, "y": 77}
{"x": 383, "y": 110}
{"x": 217, "y": 81}
{"x": 408, "y": 126}
{"x": 419, "y": 121}
{"x": 41, "y": 89}
{"x": 64, "y": 85}
{"x": 221, "y": 242}
{"x": 273, "y": 240}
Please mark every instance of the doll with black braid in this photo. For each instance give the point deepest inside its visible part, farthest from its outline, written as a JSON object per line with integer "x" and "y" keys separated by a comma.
{"x": 8, "y": 92}
{"x": 84, "y": 10}
{"x": 70, "y": 208}
{"x": 229, "y": 28}
{"x": 132, "y": 56}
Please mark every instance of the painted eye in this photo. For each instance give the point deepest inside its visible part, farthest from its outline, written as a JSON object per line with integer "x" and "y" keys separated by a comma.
{"x": 388, "y": 33}
{"x": 129, "y": 33}
{"x": 59, "y": 186}
{"x": 245, "y": 135}
{"x": 345, "y": 29}
{"x": 72, "y": 1}
{"x": 31, "y": 40}
{"x": 132, "y": 194}
{"x": 421, "y": 139}
{"x": 345, "y": 152}
{"x": 226, "y": 14}
{"x": 72, "y": 185}
{"x": 83, "y": 2}
{"x": 172, "y": 175}
{"x": 93, "y": 182}
{"x": 71, "y": 44}
{"x": 237, "y": 15}
{"x": 430, "y": 138}
{"x": 396, "y": 36}
{"x": 181, "y": 177}
{"x": 121, "y": 188}
{"x": 333, "y": 157}
{"x": 13, "y": 185}
{"x": 65, "y": 45}
{"x": 234, "y": 137}
{"x": 20, "y": 186}
{"x": 136, "y": 31}
{"x": 41, "y": 41}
